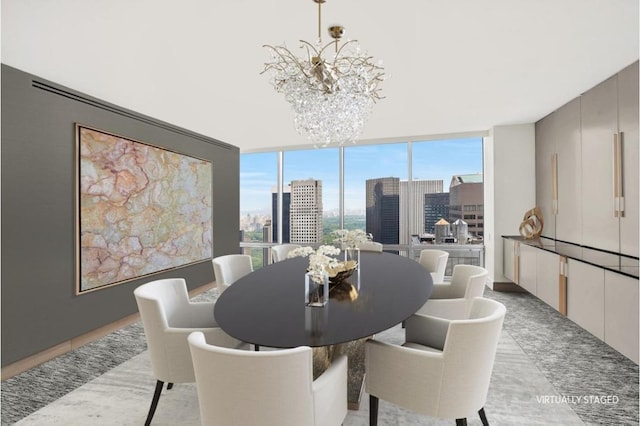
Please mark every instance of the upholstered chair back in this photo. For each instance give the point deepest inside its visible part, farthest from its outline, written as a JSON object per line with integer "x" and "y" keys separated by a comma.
{"x": 434, "y": 261}
{"x": 469, "y": 354}
{"x": 230, "y": 268}
{"x": 468, "y": 281}
{"x": 280, "y": 252}
{"x": 266, "y": 387}
{"x": 370, "y": 246}
{"x": 163, "y": 304}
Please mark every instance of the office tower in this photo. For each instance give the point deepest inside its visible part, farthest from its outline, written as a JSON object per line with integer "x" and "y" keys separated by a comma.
{"x": 467, "y": 202}
{"x": 383, "y": 209}
{"x": 286, "y": 211}
{"x": 436, "y": 207}
{"x": 306, "y": 211}
{"x": 415, "y": 225}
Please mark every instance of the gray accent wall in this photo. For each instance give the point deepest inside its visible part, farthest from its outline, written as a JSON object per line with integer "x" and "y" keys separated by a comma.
{"x": 40, "y": 308}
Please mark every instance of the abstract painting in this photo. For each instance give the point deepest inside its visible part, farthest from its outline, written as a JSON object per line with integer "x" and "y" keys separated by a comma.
{"x": 140, "y": 210}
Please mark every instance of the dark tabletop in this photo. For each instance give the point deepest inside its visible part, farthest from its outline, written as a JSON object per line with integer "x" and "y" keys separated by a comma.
{"x": 267, "y": 307}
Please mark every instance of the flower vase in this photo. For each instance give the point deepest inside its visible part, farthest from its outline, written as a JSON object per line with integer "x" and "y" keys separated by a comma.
{"x": 352, "y": 253}
{"x": 316, "y": 293}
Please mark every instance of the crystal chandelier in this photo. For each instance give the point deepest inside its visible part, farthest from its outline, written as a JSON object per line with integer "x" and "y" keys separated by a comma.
{"x": 331, "y": 91}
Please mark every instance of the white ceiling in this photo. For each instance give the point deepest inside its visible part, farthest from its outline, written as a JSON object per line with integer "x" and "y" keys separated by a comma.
{"x": 454, "y": 65}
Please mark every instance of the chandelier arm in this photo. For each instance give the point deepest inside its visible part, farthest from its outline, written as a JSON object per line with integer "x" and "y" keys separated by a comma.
{"x": 287, "y": 58}
{"x": 338, "y": 51}
{"x": 308, "y": 45}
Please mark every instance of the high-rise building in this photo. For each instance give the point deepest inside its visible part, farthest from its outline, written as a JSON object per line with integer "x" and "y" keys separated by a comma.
{"x": 305, "y": 211}
{"x": 286, "y": 212}
{"x": 467, "y": 202}
{"x": 383, "y": 209}
{"x": 436, "y": 207}
{"x": 418, "y": 190}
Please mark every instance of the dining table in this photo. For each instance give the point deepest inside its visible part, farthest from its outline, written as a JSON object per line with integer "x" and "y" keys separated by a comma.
{"x": 267, "y": 306}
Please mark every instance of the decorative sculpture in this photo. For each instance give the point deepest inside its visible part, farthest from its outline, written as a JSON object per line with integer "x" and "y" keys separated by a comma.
{"x": 532, "y": 223}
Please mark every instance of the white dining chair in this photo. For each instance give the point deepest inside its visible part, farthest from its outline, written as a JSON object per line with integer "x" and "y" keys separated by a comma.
{"x": 230, "y": 268}
{"x": 434, "y": 261}
{"x": 280, "y": 252}
{"x": 168, "y": 317}
{"x": 450, "y": 299}
{"x": 267, "y": 387}
{"x": 444, "y": 367}
{"x": 370, "y": 246}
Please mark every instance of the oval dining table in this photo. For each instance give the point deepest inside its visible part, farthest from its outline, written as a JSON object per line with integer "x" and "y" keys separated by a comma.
{"x": 267, "y": 307}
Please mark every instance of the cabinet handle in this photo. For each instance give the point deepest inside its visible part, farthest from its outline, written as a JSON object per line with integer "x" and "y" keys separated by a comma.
{"x": 554, "y": 184}
{"x": 562, "y": 286}
{"x": 616, "y": 199}
{"x": 619, "y": 177}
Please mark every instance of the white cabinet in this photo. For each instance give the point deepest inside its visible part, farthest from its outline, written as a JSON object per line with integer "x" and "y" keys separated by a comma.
{"x": 569, "y": 173}
{"x": 621, "y": 314}
{"x": 585, "y": 297}
{"x": 547, "y": 278}
{"x": 545, "y": 173}
{"x": 510, "y": 259}
{"x": 599, "y": 127}
{"x": 609, "y": 114}
{"x": 587, "y": 161}
{"x": 527, "y": 268}
{"x": 628, "y": 126}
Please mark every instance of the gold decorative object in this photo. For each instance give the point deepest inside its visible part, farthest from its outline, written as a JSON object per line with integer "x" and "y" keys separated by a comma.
{"x": 531, "y": 225}
{"x": 341, "y": 271}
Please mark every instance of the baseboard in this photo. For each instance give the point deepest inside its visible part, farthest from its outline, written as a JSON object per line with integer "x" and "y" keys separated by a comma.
{"x": 508, "y": 286}
{"x": 34, "y": 360}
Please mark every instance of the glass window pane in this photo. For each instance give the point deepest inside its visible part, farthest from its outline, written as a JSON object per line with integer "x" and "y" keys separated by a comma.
{"x": 373, "y": 176}
{"x": 258, "y": 181}
{"x": 447, "y": 182}
{"x": 311, "y": 178}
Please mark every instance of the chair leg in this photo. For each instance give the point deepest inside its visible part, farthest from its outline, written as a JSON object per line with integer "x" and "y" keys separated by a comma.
{"x": 154, "y": 402}
{"x": 373, "y": 410}
{"x": 169, "y": 386}
{"x": 483, "y": 417}
{"x": 461, "y": 422}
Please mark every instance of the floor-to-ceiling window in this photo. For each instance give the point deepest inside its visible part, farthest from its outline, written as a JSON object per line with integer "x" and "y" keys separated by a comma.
{"x": 373, "y": 176}
{"x": 258, "y": 190}
{"x": 407, "y": 195}
{"x": 312, "y": 177}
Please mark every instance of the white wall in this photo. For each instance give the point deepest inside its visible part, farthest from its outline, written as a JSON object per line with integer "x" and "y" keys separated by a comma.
{"x": 510, "y": 188}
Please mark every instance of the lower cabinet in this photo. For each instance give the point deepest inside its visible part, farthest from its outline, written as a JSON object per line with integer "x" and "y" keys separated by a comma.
{"x": 603, "y": 302}
{"x": 527, "y": 268}
{"x": 585, "y": 297}
{"x": 547, "y": 278}
{"x": 621, "y": 314}
{"x": 510, "y": 259}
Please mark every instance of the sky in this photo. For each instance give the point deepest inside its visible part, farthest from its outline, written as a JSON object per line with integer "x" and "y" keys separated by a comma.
{"x": 431, "y": 160}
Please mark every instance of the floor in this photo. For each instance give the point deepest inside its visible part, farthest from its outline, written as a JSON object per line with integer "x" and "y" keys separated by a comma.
{"x": 548, "y": 371}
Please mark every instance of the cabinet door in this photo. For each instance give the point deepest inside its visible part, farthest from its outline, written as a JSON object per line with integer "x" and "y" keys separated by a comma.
{"x": 545, "y": 150}
{"x": 585, "y": 297}
{"x": 621, "y": 314}
{"x": 547, "y": 278}
{"x": 568, "y": 148}
{"x": 599, "y": 123}
{"x": 527, "y": 268}
{"x": 509, "y": 258}
{"x": 628, "y": 125}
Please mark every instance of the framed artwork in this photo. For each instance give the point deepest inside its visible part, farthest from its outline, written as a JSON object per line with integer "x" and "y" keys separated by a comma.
{"x": 140, "y": 209}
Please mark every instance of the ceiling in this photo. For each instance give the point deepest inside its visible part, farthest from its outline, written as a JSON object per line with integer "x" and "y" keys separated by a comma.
{"x": 454, "y": 66}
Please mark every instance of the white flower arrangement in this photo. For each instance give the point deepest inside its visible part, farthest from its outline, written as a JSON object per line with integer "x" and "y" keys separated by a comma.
{"x": 350, "y": 239}
{"x": 320, "y": 261}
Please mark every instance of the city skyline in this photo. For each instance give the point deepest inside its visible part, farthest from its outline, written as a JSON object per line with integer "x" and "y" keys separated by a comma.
{"x": 432, "y": 160}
